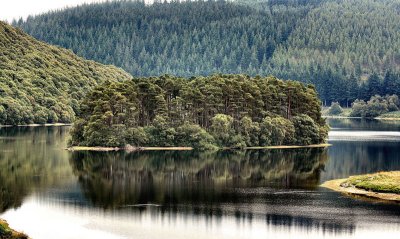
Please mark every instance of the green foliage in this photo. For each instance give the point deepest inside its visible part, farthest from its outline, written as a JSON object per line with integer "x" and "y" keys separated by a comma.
{"x": 202, "y": 112}
{"x": 344, "y": 48}
{"x": 76, "y": 132}
{"x": 40, "y": 83}
{"x": 282, "y": 132}
{"x": 160, "y": 132}
{"x": 376, "y": 106}
{"x": 323, "y": 133}
{"x": 335, "y": 109}
{"x": 306, "y": 130}
{"x": 358, "y": 108}
{"x": 224, "y": 133}
{"x": 249, "y": 131}
{"x": 137, "y": 136}
{"x": 194, "y": 136}
{"x": 393, "y": 115}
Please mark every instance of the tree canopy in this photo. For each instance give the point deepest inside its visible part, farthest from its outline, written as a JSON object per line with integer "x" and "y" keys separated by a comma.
{"x": 40, "y": 83}
{"x": 202, "y": 112}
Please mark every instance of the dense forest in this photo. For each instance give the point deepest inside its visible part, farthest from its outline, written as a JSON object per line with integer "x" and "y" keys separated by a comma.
{"x": 234, "y": 111}
{"x": 343, "y": 47}
{"x": 40, "y": 83}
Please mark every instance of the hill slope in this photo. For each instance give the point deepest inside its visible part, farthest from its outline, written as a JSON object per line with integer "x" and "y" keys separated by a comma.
{"x": 185, "y": 39}
{"x": 341, "y": 39}
{"x": 40, "y": 83}
{"x": 335, "y": 44}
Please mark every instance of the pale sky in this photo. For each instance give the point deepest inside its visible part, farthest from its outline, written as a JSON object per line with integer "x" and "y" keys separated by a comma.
{"x": 14, "y": 9}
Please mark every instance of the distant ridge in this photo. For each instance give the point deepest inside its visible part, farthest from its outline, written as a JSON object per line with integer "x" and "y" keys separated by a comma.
{"x": 335, "y": 44}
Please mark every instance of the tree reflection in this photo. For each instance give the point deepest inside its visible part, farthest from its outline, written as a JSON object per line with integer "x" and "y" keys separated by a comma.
{"x": 30, "y": 157}
{"x": 119, "y": 179}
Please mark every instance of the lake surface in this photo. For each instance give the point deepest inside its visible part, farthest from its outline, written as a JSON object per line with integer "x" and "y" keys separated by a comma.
{"x": 49, "y": 192}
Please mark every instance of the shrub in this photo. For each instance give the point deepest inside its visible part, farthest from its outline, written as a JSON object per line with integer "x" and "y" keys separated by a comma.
{"x": 192, "y": 135}
{"x": 137, "y": 136}
{"x": 376, "y": 106}
{"x": 223, "y": 132}
{"x": 276, "y": 131}
{"x": 335, "y": 109}
{"x": 358, "y": 108}
{"x": 306, "y": 130}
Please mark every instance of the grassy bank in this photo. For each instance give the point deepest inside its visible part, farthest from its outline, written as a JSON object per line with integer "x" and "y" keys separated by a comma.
{"x": 386, "y": 182}
{"x": 7, "y": 233}
{"x": 131, "y": 149}
{"x": 382, "y": 185}
{"x": 345, "y": 114}
{"x": 395, "y": 115}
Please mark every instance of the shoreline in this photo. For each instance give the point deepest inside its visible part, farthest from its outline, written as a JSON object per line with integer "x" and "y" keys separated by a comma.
{"x": 138, "y": 149}
{"x": 289, "y": 146}
{"x": 335, "y": 185}
{"x": 388, "y": 119}
{"x": 341, "y": 117}
{"x": 128, "y": 149}
{"x": 35, "y": 125}
{"x": 369, "y": 118}
{"x": 10, "y": 233}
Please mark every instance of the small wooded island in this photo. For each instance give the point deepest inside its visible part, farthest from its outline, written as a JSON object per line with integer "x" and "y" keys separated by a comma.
{"x": 218, "y": 111}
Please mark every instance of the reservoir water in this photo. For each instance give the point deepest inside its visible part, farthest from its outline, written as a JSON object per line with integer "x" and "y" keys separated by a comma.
{"x": 49, "y": 192}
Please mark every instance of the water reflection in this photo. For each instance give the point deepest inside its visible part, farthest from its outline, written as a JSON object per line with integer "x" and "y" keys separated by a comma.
{"x": 253, "y": 194}
{"x": 31, "y": 158}
{"x": 353, "y": 158}
{"x": 363, "y": 124}
{"x": 118, "y": 179}
{"x": 252, "y": 187}
{"x": 362, "y": 146}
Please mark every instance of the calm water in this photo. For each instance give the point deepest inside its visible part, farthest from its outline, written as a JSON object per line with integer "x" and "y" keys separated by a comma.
{"x": 49, "y": 192}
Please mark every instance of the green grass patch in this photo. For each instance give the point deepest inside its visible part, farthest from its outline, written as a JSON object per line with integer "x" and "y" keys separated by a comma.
{"x": 7, "y": 233}
{"x": 345, "y": 113}
{"x": 385, "y": 182}
{"x": 394, "y": 114}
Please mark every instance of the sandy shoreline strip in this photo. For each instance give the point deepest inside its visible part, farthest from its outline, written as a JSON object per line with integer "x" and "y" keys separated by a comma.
{"x": 132, "y": 149}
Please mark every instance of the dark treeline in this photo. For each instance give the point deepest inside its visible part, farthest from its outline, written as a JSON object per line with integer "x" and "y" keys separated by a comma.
{"x": 203, "y": 112}
{"x": 346, "y": 91}
{"x": 335, "y": 44}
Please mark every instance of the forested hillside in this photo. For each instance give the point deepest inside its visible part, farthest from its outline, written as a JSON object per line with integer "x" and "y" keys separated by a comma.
{"x": 190, "y": 38}
{"x": 336, "y": 44}
{"x": 40, "y": 83}
{"x": 234, "y": 111}
{"x": 340, "y": 40}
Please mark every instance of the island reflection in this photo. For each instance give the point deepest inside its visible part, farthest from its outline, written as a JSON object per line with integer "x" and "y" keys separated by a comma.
{"x": 247, "y": 186}
{"x": 115, "y": 179}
